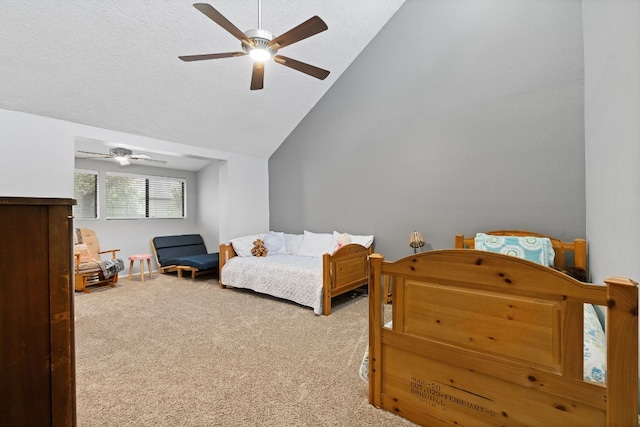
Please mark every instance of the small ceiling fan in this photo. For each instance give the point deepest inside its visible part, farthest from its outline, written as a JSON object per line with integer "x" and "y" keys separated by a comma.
{"x": 121, "y": 155}
{"x": 261, "y": 45}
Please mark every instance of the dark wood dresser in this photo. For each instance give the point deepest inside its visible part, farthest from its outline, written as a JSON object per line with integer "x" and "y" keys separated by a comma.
{"x": 37, "y": 354}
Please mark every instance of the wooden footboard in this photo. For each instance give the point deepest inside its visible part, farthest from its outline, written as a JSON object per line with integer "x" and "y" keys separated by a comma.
{"x": 345, "y": 270}
{"x": 480, "y": 338}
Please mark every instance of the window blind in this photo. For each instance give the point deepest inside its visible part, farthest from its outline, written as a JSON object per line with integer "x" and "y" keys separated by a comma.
{"x": 140, "y": 196}
{"x": 85, "y": 191}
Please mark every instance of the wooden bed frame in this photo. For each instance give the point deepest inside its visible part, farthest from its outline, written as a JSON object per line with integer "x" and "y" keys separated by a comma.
{"x": 343, "y": 271}
{"x": 480, "y": 338}
{"x": 578, "y": 247}
{"x": 577, "y": 251}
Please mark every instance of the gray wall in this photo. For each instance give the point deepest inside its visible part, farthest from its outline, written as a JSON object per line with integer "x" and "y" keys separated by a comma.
{"x": 460, "y": 116}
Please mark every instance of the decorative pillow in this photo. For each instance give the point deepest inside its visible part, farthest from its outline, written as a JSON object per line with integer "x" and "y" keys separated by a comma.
{"x": 293, "y": 242}
{"x": 340, "y": 240}
{"x": 243, "y": 245}
{"x": 365, "y": 241}
{"x": 535, "y": 249}
{"x": 85, "y": 254}
{"x": 315, "y": 244}
{"x": 274, "y": 242}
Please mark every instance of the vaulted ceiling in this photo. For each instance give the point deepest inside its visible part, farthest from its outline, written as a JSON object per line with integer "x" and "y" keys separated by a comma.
{"x": 114, "y": 65}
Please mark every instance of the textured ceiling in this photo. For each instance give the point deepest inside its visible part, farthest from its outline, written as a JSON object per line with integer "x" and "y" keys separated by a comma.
{"x": 114, "y": 65}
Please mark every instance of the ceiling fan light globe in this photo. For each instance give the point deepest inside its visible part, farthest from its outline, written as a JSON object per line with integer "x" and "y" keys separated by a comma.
{"x": 260, "y": 51}
{"x": 122, "y": 160}
{"x": 259, "y": 54}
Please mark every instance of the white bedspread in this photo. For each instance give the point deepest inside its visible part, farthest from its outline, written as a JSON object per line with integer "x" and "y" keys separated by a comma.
{"x": 294, "y": 278}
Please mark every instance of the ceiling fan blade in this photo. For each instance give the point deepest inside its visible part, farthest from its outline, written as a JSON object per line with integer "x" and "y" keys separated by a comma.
{"x": 94, "y": 155}
{"x": 160, "y": 162}
{"x": 310, "y": 27}
{"x": 219, "y": 19}
{"x": 139, "y": 156}
{"x": 144, "y": 157}
{"x": 316, "y": 72}
{"x": 189, "y": 58}
{"x": 257, "y": 76}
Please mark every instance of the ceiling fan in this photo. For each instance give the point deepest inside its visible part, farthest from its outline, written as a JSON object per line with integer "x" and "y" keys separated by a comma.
{"x": 121, "y": 155}
{"x": 261, "y": 45}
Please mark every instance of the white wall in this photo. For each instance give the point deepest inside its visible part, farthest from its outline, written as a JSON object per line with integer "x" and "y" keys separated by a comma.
{"x": 612, "y": 137}
{"x": 244, "y": 190}
{"x": 612, "y": 133}
{"x": 226, "y": 199}
{"x": 209, "y": 207}
{"x": 36, "y": 156}
{"x": 133, "y": 236}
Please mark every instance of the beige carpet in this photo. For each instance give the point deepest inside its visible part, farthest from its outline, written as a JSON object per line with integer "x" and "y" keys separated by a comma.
{"x": 183, "y": 352}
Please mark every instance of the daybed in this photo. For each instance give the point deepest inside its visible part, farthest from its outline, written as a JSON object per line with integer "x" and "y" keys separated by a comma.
{"x": 186, "y": 252}
{"x": 481, "y": 338}
{"x": 309, "y": 269}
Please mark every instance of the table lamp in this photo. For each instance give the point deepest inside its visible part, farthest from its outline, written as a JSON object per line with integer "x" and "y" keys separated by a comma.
{"x": 416, "y": 240}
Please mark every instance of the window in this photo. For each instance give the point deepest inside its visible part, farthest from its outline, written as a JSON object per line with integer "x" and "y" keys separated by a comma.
{"x": 85, "y": 191}
{"x": 140, "y": 196}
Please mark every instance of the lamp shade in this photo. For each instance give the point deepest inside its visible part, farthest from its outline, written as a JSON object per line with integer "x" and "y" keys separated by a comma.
{"x": 416, "y": 240}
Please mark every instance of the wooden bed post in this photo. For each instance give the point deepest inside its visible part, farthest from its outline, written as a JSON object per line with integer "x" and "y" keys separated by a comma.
{"x": 580, "y": 254}
{"x": 226, "y": 253}
{"x": 622, "y": 350}
{"x": 327, "y": 284}
{"x": 459, "y": 241}
{"x": 375, "y": 327}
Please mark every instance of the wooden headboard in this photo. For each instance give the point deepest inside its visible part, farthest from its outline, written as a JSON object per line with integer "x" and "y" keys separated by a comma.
{"x": 577, "y": 248}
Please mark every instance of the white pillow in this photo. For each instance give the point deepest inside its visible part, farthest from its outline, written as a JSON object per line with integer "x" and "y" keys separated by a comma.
{"x": 365, "y": 241}
{"x": 315, "y": 244}
{"x": 243, "y": 245}
{"x": 274, "y": 242}
{"x": 293, "y": 243}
